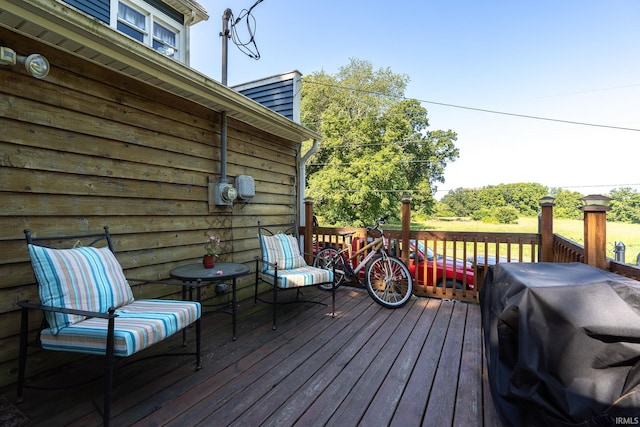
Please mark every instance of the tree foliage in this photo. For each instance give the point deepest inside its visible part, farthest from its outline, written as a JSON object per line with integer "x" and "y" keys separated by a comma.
{"x": 625, "y": 206}
{"x": 499, "y": 203}
{"x": 375, "y": 145}
{"x": 489, "y": 203}
{"x": 567, "y": 204}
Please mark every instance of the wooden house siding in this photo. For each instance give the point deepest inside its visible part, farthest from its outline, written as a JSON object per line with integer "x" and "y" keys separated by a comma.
{"x": 89, "y": 146}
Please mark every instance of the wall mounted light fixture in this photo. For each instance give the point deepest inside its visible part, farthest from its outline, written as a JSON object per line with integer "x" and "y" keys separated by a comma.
{"x": 35, "y": 64}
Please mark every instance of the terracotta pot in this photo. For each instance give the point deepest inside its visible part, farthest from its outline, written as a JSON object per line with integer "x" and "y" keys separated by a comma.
{"x": 207, "y": 261}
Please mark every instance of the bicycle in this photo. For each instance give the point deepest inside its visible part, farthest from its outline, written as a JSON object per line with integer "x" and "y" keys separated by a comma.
{"x": 386, "y": 278}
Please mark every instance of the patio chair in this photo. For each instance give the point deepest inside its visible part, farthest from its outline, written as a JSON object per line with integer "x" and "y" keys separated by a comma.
{"x": 89, "y": 307}
{"x": 282, "y": 266}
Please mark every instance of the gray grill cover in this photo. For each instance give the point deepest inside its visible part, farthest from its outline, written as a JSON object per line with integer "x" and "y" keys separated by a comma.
{"x": 562, "y": 343}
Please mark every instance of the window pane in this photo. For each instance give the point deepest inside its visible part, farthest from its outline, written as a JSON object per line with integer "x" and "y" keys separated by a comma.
{"x": 164, "y": 40}
{"x": 124, "y": 28}
{"x": 164, "y": 34}
{"x": 132, "y": 16}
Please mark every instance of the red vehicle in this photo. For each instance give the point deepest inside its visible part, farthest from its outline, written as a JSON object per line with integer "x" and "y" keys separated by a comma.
{"x": 444, "y": 268}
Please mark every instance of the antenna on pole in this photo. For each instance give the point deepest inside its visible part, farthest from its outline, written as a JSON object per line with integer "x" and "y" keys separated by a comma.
{"x": 225, "y": 34}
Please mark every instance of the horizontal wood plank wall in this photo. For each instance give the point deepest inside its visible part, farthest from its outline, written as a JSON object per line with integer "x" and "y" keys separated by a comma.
{"x": 88, "y": 147}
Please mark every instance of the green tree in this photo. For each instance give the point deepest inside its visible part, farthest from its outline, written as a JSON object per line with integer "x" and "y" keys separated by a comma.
{"x": 483, "y": 204}
{"x": 375, "y": 145}
{"x": 567, "y": 204}
{"x": 625, "y": 206}
{"x": 463, "y": 201}
{"x": 523, "y": 197}
{"x": 507, "y": 215}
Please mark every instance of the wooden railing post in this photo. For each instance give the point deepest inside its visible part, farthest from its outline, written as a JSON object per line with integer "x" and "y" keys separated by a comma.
{"x": 406, "y": 227}
{"x": 595, "y": 209}
{"x": 308, "y": 230}
{"x": 546, "y": 229}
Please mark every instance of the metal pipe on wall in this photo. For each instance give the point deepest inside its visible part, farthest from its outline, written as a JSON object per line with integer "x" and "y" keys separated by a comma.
{"x": 223, "y": 146}
{"x": 226, "y": 16}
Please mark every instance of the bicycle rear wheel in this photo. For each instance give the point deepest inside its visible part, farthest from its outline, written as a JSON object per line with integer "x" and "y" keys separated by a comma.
{"x": 388, "y": 281}
{"x": 326, "y": 259}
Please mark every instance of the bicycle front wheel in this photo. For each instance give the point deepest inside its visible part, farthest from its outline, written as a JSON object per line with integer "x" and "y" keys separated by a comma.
{"x": 388, "y": 281}
{"x": 326, "y": 259}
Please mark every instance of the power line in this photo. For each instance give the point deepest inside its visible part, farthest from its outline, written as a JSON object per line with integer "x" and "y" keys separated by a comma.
{"x": 614, "y": 186}
{"x": 482, "y": 110}
{"x": 348, "y": 164}
{"x": 372, "y": 144}
{"x": 250, "y": 48}
{"x": 600, "y": 185}
{"x": 373, "y": 190}
{"x": 467, "y": 108}
{"x": 532, "y": 117}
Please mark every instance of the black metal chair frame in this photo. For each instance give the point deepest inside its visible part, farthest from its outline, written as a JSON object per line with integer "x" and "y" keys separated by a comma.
{"x": 110, "y": 358}
{"x": 288, "y": 229}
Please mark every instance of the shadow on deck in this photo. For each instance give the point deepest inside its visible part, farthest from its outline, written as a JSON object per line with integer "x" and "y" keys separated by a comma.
{"x": 418, "y": 365}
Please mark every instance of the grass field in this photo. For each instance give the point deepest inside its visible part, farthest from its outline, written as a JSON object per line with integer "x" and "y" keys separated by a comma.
{"x": 629, "y": 234}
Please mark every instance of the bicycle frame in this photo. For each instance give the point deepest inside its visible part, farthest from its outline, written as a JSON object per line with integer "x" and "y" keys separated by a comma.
{"x": 376, "y": 247}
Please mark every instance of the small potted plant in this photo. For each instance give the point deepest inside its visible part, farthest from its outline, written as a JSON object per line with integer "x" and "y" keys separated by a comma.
{"x": 212, "y": 250}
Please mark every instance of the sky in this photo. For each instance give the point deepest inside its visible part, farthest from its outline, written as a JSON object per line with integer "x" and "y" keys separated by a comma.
{"x": 543, "y": 91}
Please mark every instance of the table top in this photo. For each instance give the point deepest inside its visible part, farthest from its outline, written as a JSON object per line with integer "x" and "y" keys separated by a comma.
{"x": 221, "y": 271}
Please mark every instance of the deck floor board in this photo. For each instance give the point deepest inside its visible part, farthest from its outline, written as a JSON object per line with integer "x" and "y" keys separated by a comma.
{"x": 418, "y": 365}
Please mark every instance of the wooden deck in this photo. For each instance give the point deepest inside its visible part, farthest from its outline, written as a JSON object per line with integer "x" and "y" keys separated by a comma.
{"x": 418, "y": 365}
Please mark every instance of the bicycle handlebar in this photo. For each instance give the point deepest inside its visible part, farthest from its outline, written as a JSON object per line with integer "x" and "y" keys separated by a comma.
{"x": 379, "y": 221}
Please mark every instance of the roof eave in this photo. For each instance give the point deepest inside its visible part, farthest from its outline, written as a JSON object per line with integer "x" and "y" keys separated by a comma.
{"x": 57, "y": 25}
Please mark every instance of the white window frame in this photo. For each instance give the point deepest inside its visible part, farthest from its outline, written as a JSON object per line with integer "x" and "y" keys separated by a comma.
{"x": 144, "y": 13}
{"x": 152, "y": 16}
{"x": 178, "y": 49}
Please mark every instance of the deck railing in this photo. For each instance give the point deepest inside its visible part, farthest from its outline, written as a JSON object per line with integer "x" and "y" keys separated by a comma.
{"x": 564, "y": 250}
{"x": 452, "y": 265}
{"x": 446, "y": 264}
{"x": 631, "y": 271}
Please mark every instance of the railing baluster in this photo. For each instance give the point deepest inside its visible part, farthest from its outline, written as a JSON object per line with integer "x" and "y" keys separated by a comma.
{"x": 474, "y": 247}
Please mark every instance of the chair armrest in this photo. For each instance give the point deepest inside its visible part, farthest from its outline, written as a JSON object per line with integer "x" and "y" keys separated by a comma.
{"x": 98, "y": 314}
{"x": 270, "y": 264}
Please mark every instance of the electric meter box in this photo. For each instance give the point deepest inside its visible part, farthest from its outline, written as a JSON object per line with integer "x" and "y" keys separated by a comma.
{"x": 246, "y": 187}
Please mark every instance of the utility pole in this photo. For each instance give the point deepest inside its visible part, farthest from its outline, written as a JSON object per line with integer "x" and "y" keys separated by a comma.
{"x": 225, "y": 34}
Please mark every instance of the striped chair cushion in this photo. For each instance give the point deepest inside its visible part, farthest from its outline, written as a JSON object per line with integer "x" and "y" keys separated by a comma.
{"x": 138, "y": 326}
{"x": 84, "y": 278}
{"x": 282, "y": 249}
{"x": 303, "y": 276}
